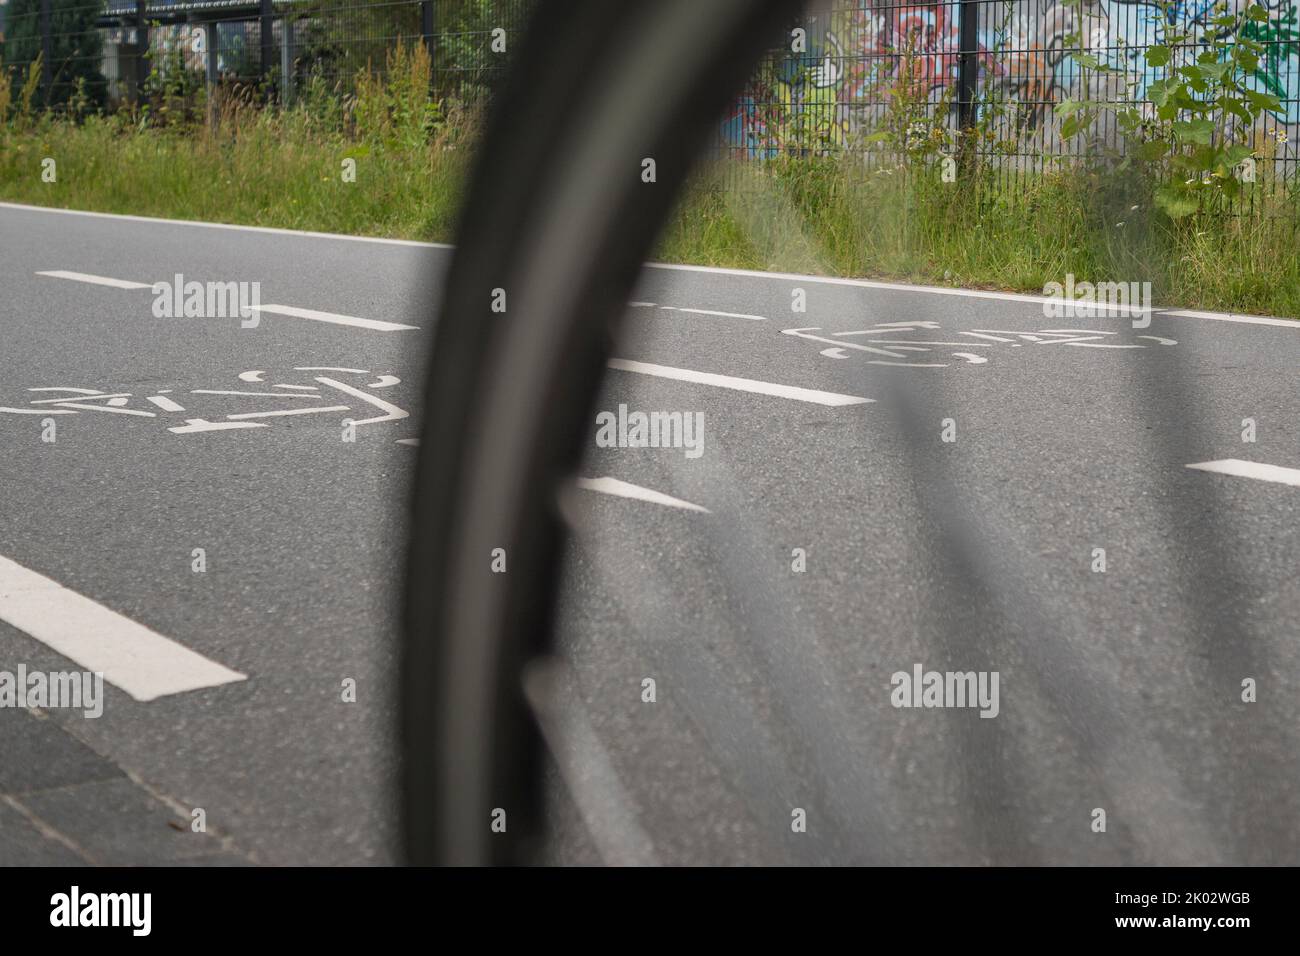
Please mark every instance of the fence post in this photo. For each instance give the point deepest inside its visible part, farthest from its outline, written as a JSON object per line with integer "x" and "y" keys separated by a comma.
{"x": 141, "y": 51}
{"x": 967, "y": 76}
{"x": 47, "y": 54}
{"x": 427, "y": 27}
{"x": 266, "y": 17}
{"x": 210, "y": 74}
{"x": 286, "y": 59}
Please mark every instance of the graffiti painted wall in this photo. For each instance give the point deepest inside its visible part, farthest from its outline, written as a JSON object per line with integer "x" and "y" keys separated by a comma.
{"x": 853, "y": 67}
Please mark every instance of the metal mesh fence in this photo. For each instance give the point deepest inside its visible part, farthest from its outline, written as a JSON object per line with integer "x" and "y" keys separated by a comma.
{"x": 873, "y": 78}
{"x": 63, "y": 36}
{"x": 864, "y": 78}
{"x": 117, "y": 44}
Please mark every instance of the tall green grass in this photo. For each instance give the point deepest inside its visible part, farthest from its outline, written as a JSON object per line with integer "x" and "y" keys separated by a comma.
{"x": 240, "y": 162}
{"x": 1014, "y": 233}
{"x": 235, "y": 161}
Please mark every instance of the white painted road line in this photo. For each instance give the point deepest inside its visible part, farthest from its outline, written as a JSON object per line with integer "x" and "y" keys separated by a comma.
{"x": 87, "y": 407}
{"x": 200, "y": 224}
{"x": 1250, "y": 469}
{"x": 625, "y": 489}
{"x": 391, "y": 412}
{"x": 293, "y": 311}
{"x": 1232, "y": 317}
{"x": 165, "y": 403}
{"x": 334, "y": 318}
{"x": 725, "y": 315}
{"x": 195, "y": 425}
{"x": 289, "y": 411}
{"x": 224, "y": 391}
{"x": 95, "y": 280}
{"x": 139, "y": 661}
{"x": 716, "y": 270}
{"x": 739, "y": 384}
{"x": 859, "y": 283}
{"x": 585, "y": 765}
{"x": 968, "y": 293}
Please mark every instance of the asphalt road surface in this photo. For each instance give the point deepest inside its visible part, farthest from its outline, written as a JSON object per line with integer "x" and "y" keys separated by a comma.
{"x": 893, "y": 479}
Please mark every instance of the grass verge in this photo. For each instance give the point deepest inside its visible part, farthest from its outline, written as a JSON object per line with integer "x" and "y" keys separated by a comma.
{"x": 288, "y": 169}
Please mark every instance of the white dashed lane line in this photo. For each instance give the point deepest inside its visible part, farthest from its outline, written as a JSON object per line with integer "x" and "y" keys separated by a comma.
{"x": 1250, "y": 469}
{"x": 334, "y": 318}
{"x": 315, "y": 315}
{"x": 792, "y": 392}
{"x": 625, "y": 489}
{"x": 95, "y": 280}
{"x": 682, "y": 308}
{"x": 141, "y": 662}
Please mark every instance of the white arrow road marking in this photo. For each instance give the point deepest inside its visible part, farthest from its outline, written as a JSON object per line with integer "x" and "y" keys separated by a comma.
{"x": 739, "y": 384}
{"x": 625, "y": 489}
{"x": 391, "y": 412}
{"x": 193, "y": 425}
{"x": 1250, "y": 469}
{"x": 96, "y": 280}
{"x": 130, "y": 656}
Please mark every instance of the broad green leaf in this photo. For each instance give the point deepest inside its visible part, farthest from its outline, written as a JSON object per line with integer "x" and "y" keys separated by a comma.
{"x": 1152, "y": 149}
{"x": 1194, "y": 131}
{"x": 1205, "y": 157}
{"x": 1237, "y": 108}
{"x": 1175, "y": 202}
{"x": 1158, "y": 92}
{"x": 1236, "y": 153}
{"x": 1157, "y": 55}
{"x": 1263, "y": 101}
